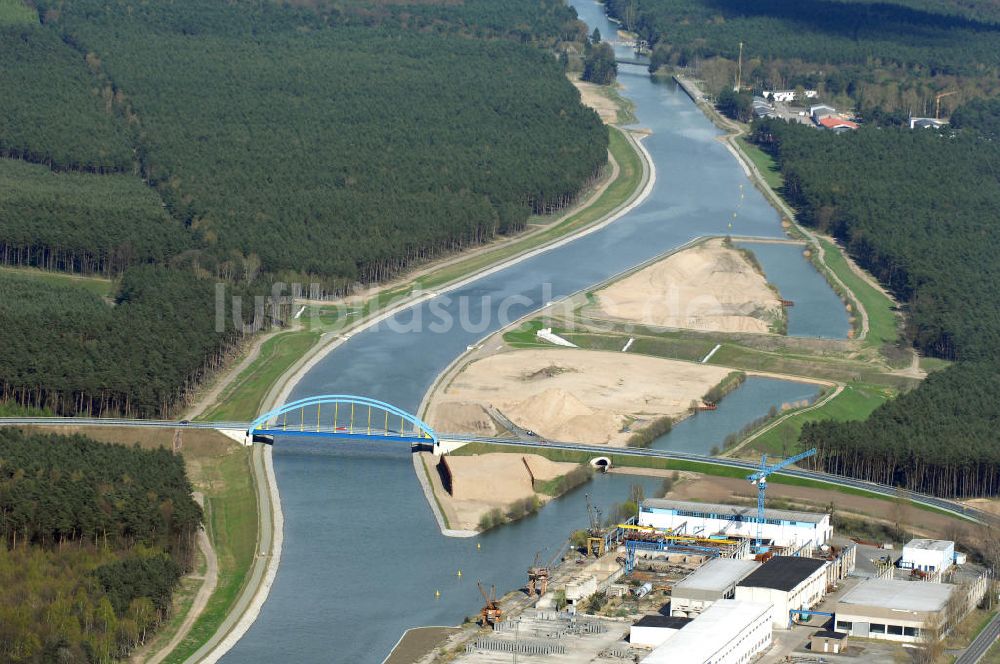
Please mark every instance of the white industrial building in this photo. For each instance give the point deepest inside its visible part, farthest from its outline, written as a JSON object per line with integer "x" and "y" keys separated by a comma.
{"x": 728, "y": 632}
{"x": 786, "y": 583}
{"x": 781, "y": 527}
{"x": 711, "y": 582}
{"x": 894, "y": 610}
{"x": 788, "y": 95}
{"x": 655, "y": 630}
{"x": 928, "y": 555}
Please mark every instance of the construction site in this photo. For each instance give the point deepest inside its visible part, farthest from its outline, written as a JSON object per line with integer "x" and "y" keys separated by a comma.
{"x": 697, "y": 582}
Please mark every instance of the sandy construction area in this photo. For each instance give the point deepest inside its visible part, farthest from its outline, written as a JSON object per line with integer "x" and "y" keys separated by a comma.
{"x": 594, "y": 96}
{"x": 483, "y": 482}
{"x": 708, "y": 287}
{"x": 568, "y": 394}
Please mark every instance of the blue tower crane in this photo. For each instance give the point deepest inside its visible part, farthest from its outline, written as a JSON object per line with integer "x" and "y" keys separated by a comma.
{"x": 760, "y": 479}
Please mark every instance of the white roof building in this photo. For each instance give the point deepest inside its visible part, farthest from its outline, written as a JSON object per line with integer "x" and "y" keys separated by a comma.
{"x": 894, "y": 610}
{"x": 928, "y": 555}
{"x": 780, "y": 527}
{"x": 728, "y": 632}
{"x": 711, "y": 582}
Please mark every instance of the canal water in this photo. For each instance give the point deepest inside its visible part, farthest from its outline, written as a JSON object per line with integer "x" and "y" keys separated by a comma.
{"x": 818, "y": 310}
{"x": 362, "y": 553}
{"x": 705, "y": 432}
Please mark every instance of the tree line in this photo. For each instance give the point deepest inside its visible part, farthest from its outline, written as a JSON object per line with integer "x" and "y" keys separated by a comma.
{"x": 896, "y": 56}
{"x": 916, "y": 209}
{"x": 95, "y": 539}
{"x": 68, "y": 351}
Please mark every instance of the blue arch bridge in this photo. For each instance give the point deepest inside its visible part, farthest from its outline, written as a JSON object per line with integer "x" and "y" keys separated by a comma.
{"x": 342, "y": 416}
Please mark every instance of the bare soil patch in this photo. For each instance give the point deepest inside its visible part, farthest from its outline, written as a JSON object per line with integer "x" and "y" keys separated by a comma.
{"x": 566, "y": 394}
{"x": 484, "y": 482}
{"x": 709, "y": 287}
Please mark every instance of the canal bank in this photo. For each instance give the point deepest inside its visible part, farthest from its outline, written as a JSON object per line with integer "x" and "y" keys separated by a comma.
{"x": 327, "y": 491}
{"x": 266, "y": 565}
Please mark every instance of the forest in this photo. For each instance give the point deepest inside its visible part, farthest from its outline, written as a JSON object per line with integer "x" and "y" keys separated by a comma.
{"x": 917, "y": 210}
{"x": 355, "y": 150}
{"x": 891, "y": 55}
{"x": 96, "y": 537}
{"x": 167, "y": 145}
{"x": 69, "y": 351}
{"x": 81, "y": 223}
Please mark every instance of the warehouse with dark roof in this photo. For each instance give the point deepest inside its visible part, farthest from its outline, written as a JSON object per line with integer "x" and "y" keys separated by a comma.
{"x": 786, "y": 582}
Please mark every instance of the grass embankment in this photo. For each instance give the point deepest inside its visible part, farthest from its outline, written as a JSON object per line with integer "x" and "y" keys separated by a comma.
{"x": 220, "y": 469}
{"x": 855, "y": 402}
{"x": 557, "y": 486}
{"x": 242, "y": 400}
{"x": 621, "y": 457}
{"x": 15, "y": 12}
{"x": 100, "y": 287}
{"x": 764, "y": 163}
{"x": 883, "y": 322}
{"x": 231, "y": 522}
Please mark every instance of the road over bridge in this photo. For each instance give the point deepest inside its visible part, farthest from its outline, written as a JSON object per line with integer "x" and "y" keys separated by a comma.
{"x": 450, "y": 440}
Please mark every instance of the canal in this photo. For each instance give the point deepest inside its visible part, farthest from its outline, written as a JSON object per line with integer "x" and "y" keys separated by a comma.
{"x": 363, "y": 557}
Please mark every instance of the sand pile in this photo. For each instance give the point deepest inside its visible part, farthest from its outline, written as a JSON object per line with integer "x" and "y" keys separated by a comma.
{"x": 498, "y": 479}
{"x": 708, "y": 287}
{"x": 485, "y": 482}
{"x": 464, "y": 417}
{"x": 568, "y": 394}
{"x": 558, "y": 415}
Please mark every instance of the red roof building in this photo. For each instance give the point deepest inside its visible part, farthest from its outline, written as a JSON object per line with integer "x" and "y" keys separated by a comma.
{"x": 832, "y": 122}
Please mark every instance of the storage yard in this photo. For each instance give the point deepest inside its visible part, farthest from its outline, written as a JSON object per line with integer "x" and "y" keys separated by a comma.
{"x": 695, "y": 582}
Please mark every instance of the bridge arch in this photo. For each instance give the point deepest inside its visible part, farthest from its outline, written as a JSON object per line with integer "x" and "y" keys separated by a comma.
{"x": 343, "y": 416}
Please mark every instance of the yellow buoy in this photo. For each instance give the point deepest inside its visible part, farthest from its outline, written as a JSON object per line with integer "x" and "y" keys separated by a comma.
{"x": 459, "y": 573}
{"x": 437, "y": 593}
{"x": 478, "y": 545}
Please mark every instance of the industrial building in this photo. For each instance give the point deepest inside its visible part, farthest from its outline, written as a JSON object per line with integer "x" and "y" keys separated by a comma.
{"x": 827, "y": 641}
{"x": 894, "y": 610}
{"x": 782, "y": 528}
{"x": 928, "y": 555}
{"x": 655, "y": 630}
{"x": 728, "y": 632}
{"x": 786, "y": 583}
{"x": 714, "y": 581}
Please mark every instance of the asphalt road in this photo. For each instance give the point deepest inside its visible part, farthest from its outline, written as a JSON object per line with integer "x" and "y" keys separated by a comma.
{"x": 981, "y": 643}
{"x": 943, "y": 504}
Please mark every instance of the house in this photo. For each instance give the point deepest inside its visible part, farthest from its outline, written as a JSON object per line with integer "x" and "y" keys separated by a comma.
{"x": 836, "y": 123}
